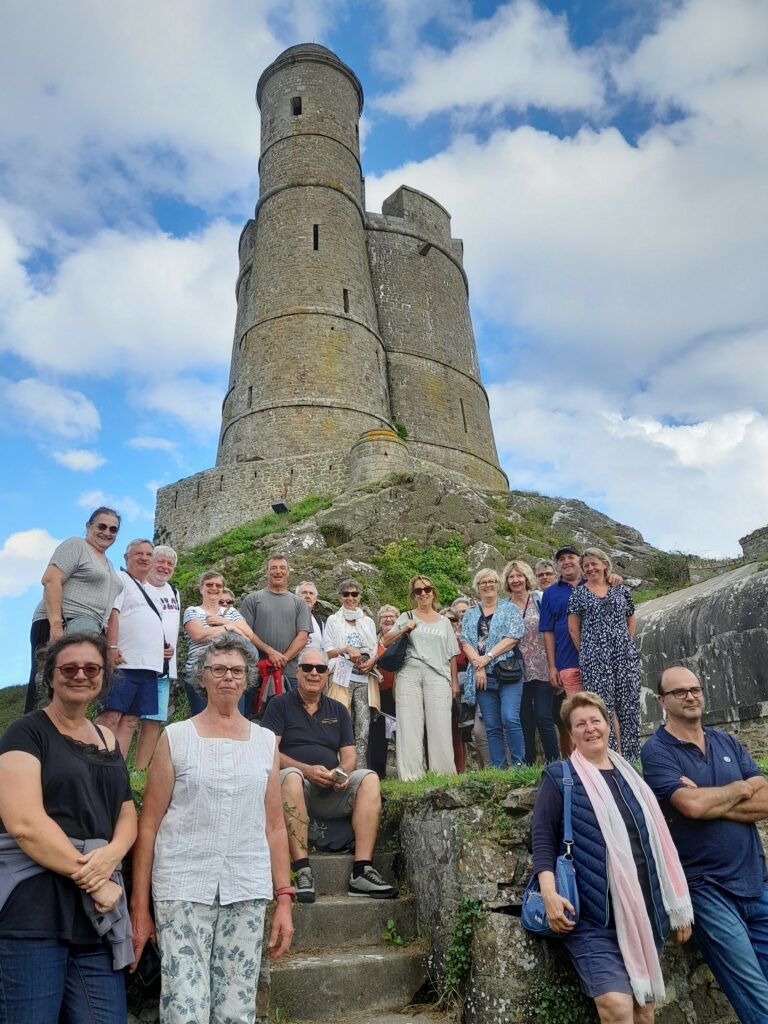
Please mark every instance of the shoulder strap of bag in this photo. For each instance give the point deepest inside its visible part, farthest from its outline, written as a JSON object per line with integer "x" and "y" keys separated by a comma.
{"x": 567, "y": 826}
{"x": 146, "y": 596}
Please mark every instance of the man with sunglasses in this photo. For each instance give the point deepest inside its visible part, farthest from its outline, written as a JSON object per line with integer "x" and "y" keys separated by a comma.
{"x": 712, "y": 793}
{"x": 280, "y": 620}
{"x": 319, "y": 779}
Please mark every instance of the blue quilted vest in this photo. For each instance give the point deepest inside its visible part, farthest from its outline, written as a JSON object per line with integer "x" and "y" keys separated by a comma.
{"x": 589, "y": 854}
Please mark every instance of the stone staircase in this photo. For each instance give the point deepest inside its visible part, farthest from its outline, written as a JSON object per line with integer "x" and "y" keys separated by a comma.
{"x": 341, "y": 967}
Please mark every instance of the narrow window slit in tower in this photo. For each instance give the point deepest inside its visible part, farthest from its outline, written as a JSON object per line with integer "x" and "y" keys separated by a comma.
{"x": 175, "y": 499}
{"x": 296, "y": 105}
{"x": 198, "y": 488}
{"x": 315, "y": 237}
{"x": 250, "y": 396}
{"x": 346, "y": 300}
{"x": 221, "y": 483}
{"x": 463, "y": 415}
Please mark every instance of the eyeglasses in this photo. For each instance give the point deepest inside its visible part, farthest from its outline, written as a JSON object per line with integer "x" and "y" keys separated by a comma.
{"x": 213, "y": 586}
{"x": 70, "y": 670}
{"x": 220, "y": 671}
{"x": 103, "y": 528}
{"x": 227, "y": 602}
{"x": 418, "y": 591}
{"x": 308, "y": 667}
{"x": 681, "y": 694}
{"x": 350, "y": 593}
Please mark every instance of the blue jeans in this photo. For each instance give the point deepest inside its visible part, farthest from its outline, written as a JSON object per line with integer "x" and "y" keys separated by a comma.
{"x": 536, "y": 713}
{"x": 732, "y": 935}
{"x": 500, "y": 709}
{"x": 46, "y": 980}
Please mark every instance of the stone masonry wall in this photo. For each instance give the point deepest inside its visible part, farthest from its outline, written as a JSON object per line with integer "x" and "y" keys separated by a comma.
{"x": 454, "y": 847}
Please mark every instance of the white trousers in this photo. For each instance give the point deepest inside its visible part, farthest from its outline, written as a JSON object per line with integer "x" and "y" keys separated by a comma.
{"x": 423, "y": 697}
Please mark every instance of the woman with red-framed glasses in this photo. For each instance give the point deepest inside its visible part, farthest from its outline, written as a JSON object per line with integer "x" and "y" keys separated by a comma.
{"x": 427, "y": 682}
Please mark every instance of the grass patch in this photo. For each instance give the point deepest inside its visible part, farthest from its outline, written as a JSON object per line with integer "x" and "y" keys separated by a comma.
{"x": 244, "y": 562}
{"x": 484, "y": 786}
{"x": 445, "y": 564}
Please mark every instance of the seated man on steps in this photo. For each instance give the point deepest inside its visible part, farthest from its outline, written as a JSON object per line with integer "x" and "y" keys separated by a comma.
{"x": 315, "y": 739}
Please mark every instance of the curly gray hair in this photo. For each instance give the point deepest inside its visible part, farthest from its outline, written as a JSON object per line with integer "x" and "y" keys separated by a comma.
{"x": 222, "y": 645}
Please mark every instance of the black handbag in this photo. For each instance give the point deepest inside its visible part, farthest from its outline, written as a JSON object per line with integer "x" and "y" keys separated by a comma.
{"x": 392, "y": 659}
{"x": 534, "y": 915}
{"x": 508, "y": 671}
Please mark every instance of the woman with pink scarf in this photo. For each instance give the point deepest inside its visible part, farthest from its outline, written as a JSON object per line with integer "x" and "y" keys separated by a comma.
{"x": 632, "y": 889}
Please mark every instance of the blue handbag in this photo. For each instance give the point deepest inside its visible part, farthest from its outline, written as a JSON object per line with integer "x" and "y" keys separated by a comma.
{"x": 534, "y": 916}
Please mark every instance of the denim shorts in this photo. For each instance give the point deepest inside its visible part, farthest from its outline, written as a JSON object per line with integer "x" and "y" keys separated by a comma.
{"x": 163, "y": 696}
{"x": 597, "y": 958}
{"x": 133, "y": 692}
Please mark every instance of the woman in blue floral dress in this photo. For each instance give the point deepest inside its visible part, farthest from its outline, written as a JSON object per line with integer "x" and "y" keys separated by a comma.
{"x": 601, "y": 621}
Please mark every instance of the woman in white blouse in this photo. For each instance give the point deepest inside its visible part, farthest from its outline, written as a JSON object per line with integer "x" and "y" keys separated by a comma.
{"x": 212, "y": 841}
{"x": 351, "y": 634}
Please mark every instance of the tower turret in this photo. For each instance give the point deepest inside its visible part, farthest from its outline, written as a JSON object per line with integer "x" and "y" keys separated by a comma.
{"x": 308, "y": 365}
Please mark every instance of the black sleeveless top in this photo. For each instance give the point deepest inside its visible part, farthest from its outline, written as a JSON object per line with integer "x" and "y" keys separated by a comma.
{"x": 84, "y": 788}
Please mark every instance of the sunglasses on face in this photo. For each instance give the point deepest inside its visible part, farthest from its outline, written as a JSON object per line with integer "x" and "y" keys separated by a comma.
{"x": 418, "y": 591}
{"x": 308, "y": 667}
{"x": 70, "y": 670}
{"x": 350, "y": 593}
{"x": 103, "y": 528}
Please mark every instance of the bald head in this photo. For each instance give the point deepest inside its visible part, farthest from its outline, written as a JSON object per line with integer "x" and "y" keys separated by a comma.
{"x": 675, "y": 677}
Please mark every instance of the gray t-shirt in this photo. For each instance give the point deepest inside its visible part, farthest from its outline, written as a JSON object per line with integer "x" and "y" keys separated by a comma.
{"x": 90, "y": 586}
{"x": 276, "y": 619}
{"x": 434, "y": 643}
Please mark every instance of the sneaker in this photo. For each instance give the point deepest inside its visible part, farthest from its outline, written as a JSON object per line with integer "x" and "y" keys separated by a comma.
{"x": 305, "y": 886}
{"x": 370, "y": 883}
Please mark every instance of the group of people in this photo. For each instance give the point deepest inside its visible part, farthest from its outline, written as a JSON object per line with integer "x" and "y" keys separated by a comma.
{"x": 229, "y": 803}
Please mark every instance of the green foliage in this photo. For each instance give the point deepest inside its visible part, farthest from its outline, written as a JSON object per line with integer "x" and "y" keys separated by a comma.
{"x": 11, "y": 704}
{"x": 391, "y": 934}
{"x": 607, "y": 536}
{"x": 507, "y": 528}
{"x": 401, "y": 430}
{"x": 558, "y": 1003}
{"x": 458, "y": 958}
{"x": 236, "y": 547}
{"x": 445, "y": 564}
{"x": 670, "y": 568}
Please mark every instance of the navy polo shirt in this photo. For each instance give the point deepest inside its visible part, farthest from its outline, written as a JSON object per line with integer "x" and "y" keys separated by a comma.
{"x": 310, "y": 739}
{"x": 715, "y": 851}
{"x": 553, "y": 617}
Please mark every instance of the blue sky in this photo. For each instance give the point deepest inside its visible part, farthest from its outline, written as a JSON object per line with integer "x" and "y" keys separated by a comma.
{"x": 605, "y": 164}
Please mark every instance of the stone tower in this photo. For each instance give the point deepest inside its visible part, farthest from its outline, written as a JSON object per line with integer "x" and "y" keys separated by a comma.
{"x": 349, "y": 324}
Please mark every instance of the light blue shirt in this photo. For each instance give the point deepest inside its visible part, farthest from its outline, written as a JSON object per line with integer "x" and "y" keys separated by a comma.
{"x": 507, "y": 622}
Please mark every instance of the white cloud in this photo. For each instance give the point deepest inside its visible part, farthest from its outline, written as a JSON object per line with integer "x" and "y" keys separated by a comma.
{"x": 23, "y": 558}
{"x": 128, "y": 507}
{"x": 519, "y": 57}
{"x": 80, "y": 459}
{"x": 691, "y": 488}
{"x": 44, "y": 408}
{"x": 138, "y": 304}
{"x": 192, "y": 401}
{"x": 159, "y": 443}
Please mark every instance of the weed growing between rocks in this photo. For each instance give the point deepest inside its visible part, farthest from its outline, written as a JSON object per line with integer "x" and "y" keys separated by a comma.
{"x": 458, "y": 958}
{"x": 561, "y": 1003}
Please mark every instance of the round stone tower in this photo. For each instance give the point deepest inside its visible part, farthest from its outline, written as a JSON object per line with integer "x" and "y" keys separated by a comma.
{"x": 308, "y": 366}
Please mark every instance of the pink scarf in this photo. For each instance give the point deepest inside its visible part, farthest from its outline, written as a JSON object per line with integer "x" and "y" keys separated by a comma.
{"x": 633, "y": 926}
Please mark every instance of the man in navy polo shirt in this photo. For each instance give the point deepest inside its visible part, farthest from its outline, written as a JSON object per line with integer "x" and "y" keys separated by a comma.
{"x": 315, "y": 739}
{"x": 562, "y": 656}
{"x": 712, "y": 793}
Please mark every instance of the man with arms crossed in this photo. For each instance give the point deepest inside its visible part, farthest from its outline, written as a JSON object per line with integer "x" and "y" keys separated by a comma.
{"x": 280, "y": 620}
{"x": 315, "y": 738}
{"x": 712, "y": 793}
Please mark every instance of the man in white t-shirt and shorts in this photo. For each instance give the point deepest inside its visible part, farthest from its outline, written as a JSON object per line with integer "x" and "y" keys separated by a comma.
{"x": 137, "y": 648}
{"x": 166, "y": 597}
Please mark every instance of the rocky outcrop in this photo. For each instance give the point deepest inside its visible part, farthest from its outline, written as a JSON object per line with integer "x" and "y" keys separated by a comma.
{"x": 719, "y": 630}
{"x": 432, "y": 509}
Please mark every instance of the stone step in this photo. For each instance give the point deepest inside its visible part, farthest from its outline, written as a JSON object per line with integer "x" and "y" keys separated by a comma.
{"x": 350, "y": 921}
{"x": 346, "y": 984}
{"x": 332, "y": 870}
